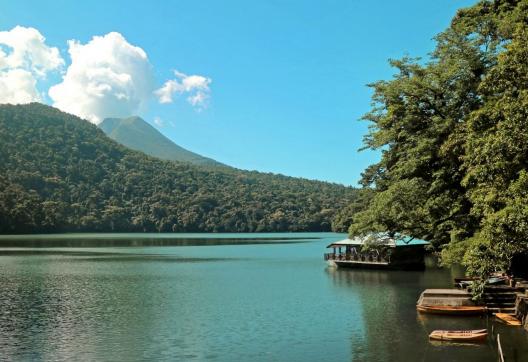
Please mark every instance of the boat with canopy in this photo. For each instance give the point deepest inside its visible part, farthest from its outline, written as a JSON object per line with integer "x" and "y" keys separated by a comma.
{"x": 378, "y": 250}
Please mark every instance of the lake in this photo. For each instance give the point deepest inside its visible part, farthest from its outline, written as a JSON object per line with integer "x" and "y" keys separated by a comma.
{"x": 219, "y": 297}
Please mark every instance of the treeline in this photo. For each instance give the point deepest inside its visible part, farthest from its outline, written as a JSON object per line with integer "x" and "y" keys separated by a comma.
{"x": 59, "y": 173}
{"x": 453, "y": 131}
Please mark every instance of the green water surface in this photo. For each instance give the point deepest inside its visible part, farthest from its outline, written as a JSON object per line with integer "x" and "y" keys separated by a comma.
{"x": 220, "y": 297}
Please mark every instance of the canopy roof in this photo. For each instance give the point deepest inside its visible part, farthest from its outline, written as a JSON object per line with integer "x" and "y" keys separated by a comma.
{"x": 380, "y": 239}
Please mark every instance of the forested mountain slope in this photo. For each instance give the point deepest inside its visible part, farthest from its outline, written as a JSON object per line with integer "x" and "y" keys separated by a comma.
{"x": 135, "y": 133}
{"x": 60, "y": 173}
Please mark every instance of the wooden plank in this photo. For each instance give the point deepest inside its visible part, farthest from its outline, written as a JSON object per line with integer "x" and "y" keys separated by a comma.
{"x": 499, "y": 347}
{"x": 508, "y": 319}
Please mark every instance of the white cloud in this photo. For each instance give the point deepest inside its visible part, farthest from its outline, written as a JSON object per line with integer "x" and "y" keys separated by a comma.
{"x": 18, "y": 86}
{"x": 159, "y": 122}
{"x": 24, "y": 59}
{"x": 196, "y": 86}
{"x": 108, "y": 77}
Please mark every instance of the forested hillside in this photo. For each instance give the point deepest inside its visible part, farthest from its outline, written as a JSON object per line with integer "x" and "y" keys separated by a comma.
{"x": 454, "y": 135}
{"x": 61, "y": 173}
{"x": 135, "y": 133}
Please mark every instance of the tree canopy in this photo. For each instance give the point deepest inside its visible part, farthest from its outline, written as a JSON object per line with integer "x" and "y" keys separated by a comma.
{"x": 453, "y": 136}
{"x": 59, "y": 173}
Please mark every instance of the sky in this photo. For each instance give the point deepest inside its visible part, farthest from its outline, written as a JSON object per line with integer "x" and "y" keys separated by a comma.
{"x": 274, "y": 86}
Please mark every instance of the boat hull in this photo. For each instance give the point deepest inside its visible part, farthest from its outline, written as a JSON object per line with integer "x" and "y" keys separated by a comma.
{"x": 378, "y": 265}
{"x": 331, "y": 263}
{"x": 448, "y": 310}
{"x": 478, "y": 335}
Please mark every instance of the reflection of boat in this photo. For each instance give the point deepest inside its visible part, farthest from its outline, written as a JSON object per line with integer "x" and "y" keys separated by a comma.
{"x": 451, "y": 310}
{"x": 508, "y": 319}
{"x": 462, "y": 336}
{"x": 444, "y": 343}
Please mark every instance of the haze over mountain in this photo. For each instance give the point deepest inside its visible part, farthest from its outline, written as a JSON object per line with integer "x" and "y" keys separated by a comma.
{"x": 60, "y": 173}
{"x": 135, "y": 133}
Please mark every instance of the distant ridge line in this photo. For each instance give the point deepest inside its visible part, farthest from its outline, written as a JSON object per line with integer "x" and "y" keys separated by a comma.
{"x": 137, "y": 134}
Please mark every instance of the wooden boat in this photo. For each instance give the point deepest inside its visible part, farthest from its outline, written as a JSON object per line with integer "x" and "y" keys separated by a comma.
{"x": 387, "y": 252}
{"x": 475, "y": 335}
{"x": 508, "y": 319}
{"x": 445, "y": 309}
{"x": 497, "y": 280}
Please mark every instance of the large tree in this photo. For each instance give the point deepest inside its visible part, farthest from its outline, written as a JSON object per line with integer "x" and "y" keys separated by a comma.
{"x": 453, "y": 140}
{"x": 496, "y": 160}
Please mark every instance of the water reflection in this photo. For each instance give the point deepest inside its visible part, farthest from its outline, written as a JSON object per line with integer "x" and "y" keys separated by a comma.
{"x": 384, "y": 298}
{"x": 396, "y": 332}
{"x": 92, "y": 240}
{"x": 262, "y": 302}
{"x": 79, "y": 310}
{"x": 102, "y": 256}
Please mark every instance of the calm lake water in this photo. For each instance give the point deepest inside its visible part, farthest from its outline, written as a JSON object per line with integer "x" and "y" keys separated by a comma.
{"x": 221, "y": 297}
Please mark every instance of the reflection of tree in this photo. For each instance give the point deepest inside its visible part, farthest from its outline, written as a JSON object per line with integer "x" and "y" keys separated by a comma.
{"x": 394, "y": 331}
{"x": 92, "y": 240}
{"x": 387, "y": 300}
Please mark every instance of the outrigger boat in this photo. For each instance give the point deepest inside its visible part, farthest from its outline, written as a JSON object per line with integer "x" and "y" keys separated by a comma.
{"x": 508, "y": 319}
{"x": 476, "y": 335}
{"x": 449, "y": 310}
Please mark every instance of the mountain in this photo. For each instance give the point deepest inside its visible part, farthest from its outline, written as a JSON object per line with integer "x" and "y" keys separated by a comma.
{"x": 137, "y": 134}
{"x": 60, "y": 173}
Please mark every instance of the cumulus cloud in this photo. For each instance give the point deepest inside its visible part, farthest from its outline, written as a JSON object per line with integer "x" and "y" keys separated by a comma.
{"x": 196, "y": 86}
{"x": 108, "y": 77}
{"x": 18, "y": 86}
{"x": 24, "y": 59}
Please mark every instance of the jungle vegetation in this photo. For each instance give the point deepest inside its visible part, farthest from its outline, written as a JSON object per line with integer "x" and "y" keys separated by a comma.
{"x": 453, "y": 135}
{"x": 59, "y": 173}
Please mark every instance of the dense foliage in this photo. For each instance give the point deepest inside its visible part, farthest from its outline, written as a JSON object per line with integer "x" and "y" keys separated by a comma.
{"x": 60, "y": 173}
{"x": 453, "y": 133}
{"x": 345, "y": 216}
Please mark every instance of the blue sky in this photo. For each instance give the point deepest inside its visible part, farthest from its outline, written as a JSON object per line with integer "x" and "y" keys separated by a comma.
{"x": 288, "y": 78}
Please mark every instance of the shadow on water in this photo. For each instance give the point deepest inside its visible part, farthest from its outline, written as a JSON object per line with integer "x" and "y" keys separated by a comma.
{"x": 144, "y": 240}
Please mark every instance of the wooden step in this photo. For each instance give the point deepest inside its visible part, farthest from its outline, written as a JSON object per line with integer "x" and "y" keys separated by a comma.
{"x": 500, "y": 305}
{"x": 499, "y": 296}
{"x": 501, "y": 310}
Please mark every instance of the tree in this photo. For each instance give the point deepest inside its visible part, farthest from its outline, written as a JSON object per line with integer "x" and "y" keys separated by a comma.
{"x": 453, "y": 136}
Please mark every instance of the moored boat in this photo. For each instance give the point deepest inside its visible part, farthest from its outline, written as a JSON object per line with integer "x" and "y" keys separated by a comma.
{"x": 451, "y": 310}
{"x": 508, "y": 319}
{"x": 476, "y": 335}
{"x": 378, "y": 251}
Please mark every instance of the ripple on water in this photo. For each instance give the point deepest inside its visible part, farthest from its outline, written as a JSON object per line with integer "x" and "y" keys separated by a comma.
{"x": 267, "y": 302}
